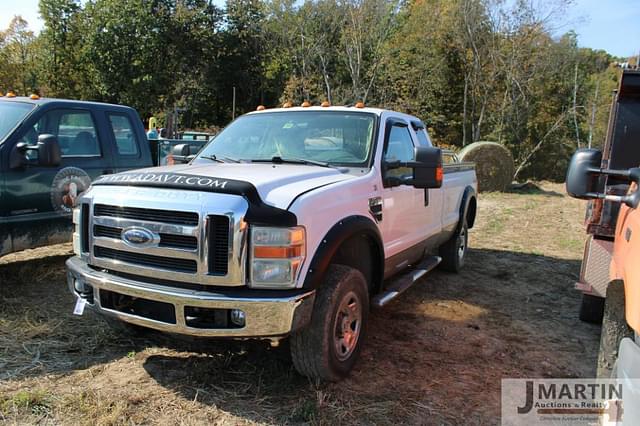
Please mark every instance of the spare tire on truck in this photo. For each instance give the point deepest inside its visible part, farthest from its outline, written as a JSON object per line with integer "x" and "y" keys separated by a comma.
{"x": 494, "y": 164}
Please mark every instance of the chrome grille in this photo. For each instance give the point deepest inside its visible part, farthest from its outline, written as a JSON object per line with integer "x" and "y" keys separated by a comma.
{"x": 160, "y": 262}
{"x": 189, "y": 245}
{"x": 166, "y": 216}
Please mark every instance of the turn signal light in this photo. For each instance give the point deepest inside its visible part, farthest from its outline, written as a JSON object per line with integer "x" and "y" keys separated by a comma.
{"x": 439, "y": 174}
{"x": 270, "y": 252}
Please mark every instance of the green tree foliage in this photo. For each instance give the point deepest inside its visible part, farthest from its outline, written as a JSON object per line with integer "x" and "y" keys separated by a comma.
{"x": 471, "y": 69}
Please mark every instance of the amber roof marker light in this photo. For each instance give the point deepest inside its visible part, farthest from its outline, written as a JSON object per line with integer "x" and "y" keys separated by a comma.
{"x": 34, "y": 96}
{"x": 11, "y": 94}
{"x": 306, "y": 104}
{"x": 325, "y": 104}
{"x": 260, "y": 108}
{"x": 287, "y": 105}
{"x": 359, "y": 105}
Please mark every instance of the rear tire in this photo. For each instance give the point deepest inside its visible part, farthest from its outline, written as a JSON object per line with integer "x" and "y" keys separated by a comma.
{"x": 614, "y": 329}
{"x": 454, "y": 251}
{"x": 591, "y": 308}
{"x": 328, "y": 348}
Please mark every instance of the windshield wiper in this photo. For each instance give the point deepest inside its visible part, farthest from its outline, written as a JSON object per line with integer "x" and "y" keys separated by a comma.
{"x": 280, "y": 160}
{"x": 213, "y": 157}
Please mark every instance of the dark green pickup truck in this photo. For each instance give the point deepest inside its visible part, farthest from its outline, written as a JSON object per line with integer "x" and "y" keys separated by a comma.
{"x": 51, "y": 150}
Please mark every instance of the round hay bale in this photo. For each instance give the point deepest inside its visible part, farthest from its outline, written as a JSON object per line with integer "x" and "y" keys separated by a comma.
{"x": 494, "y": 164}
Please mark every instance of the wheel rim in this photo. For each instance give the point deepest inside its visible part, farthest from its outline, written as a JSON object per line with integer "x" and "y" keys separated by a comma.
{"x": 348, "y": 323}
{"x": 462, "y": 243}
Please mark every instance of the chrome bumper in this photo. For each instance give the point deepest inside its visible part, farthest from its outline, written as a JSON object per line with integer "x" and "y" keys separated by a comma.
{"x": 264, "y": 316}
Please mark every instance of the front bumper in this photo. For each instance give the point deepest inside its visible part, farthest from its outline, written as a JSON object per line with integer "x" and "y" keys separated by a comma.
{"x": 267, "y": 314}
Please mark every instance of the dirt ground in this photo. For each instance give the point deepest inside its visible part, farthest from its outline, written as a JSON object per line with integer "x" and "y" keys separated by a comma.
{"x": 434, "y": 356}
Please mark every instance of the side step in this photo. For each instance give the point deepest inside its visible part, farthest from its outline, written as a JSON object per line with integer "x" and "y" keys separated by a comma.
{"x": 402, "y": 283}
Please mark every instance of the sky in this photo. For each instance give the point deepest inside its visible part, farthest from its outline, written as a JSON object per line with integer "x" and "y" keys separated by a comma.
{"x": 611, "y": 25}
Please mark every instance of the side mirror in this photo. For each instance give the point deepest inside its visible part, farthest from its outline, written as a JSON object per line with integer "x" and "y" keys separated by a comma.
{"x": 427, "y": 168}
{"x": 47, "y": 149}
{"x": 181, "y": 153}
{"x": 584, "y": 173}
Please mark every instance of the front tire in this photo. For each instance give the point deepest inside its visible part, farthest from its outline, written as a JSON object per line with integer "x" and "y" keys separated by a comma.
{"x": 614, "y": 329}
{"x": 328, "y": 348}
{"x": 454, "y": 251}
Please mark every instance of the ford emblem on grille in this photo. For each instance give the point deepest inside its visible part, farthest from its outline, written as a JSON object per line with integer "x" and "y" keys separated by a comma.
{"x": 138, "y": 237}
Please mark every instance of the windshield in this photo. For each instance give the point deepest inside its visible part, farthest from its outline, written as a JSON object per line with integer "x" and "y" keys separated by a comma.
{"x": 336, "y": 138}
{"x": 12, "y": 113}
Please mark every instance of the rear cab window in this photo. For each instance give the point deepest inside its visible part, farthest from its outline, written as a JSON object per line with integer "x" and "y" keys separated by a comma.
{"x": 124, "y": 134}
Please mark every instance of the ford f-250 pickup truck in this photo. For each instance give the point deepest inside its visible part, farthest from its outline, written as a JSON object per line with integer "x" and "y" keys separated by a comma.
{"x": 292, "y": 222}
{"x": 51, "y": 150}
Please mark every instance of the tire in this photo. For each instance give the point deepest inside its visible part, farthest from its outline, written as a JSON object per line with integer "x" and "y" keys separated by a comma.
{"x": 614, "y": 329}
{"x": 454, "y": 251}
{"x": 322, "y": 350}
{"x": 591, "y": 309}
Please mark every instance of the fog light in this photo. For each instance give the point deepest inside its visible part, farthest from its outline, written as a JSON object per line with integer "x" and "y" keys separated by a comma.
{"x": 237, "y": 317}
{"x": 79, "y": 286}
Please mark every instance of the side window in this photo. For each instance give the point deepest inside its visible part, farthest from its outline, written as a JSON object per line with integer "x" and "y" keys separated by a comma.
{"x": 423, "y": 140}
{"x": 124, "y": 134}
{"x": 74, "y": 129}
{"x": 399, "y": 148}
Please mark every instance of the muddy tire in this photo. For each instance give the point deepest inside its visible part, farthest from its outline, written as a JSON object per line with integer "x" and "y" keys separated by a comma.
{"x": 454, "y": 251}
{"x": 329, "y": 346}
{"x": 591, "y": 309}
{"x": 614, "y": 329}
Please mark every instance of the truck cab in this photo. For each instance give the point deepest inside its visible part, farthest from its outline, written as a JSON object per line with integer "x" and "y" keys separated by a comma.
{"x": 50, "y": 151}
{"x": 289, "y": 224}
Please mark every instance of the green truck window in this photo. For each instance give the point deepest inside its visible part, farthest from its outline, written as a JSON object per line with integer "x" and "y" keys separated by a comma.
{"x": 124, "y": 134}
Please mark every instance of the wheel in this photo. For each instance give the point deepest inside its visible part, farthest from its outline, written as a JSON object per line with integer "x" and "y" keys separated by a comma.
{"x": 591, "y": 308}
{"x": 454, "y": 251}
{"x": 614, "y": 329}
{"x": 329, "y": 346}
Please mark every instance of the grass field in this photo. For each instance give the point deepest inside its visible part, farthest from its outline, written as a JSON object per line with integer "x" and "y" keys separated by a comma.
{"x": 434, "y": 356}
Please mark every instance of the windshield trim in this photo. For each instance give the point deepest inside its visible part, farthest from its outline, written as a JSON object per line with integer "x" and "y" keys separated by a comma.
{"x": 365, "y": 164}
{"x": 12, "y": 130}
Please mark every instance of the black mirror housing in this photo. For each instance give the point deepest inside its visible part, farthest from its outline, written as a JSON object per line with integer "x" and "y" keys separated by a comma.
{"x": 583, "y": 173}
{"x": 48, "y": 149}
{"x": 427, "y": 168}
{"x": 181, "y": 153}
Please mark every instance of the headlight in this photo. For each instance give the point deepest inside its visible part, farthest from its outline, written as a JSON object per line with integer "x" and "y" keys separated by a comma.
{"x": 276, "y": 256}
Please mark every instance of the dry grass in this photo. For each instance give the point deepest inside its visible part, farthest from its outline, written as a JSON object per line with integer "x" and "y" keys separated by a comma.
{"x": 435, "y": 356}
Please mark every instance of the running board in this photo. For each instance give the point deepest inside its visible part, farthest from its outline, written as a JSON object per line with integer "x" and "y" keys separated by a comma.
{"x": 402, "y": 283}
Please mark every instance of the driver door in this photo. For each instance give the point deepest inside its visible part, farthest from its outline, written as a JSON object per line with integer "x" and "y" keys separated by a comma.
{"x": 403, "y": 205}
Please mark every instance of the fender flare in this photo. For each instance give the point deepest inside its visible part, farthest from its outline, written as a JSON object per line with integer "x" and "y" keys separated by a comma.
{"x": 468, "y": 195}
{"x": 340, "y": 232}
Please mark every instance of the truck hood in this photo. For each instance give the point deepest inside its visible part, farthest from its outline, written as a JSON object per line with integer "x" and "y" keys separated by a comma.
{"x": 277, "y": 184}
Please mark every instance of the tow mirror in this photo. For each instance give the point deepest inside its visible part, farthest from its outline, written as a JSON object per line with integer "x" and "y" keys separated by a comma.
{"x": 427, "y": 168}
{"x": 583, "y": 173}
{"x": 584, "y": 178}
{"x": 47, "y": 153}
{"x": 181, "y": 153}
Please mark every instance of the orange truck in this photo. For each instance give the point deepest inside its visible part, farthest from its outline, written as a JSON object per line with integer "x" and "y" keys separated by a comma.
{"x": 621, "y": 151}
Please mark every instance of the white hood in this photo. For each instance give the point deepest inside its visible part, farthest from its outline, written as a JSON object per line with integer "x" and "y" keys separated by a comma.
{"x": 277, "y": 184}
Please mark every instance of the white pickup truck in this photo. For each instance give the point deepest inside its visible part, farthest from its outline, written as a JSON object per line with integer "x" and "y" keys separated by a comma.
{"x": 292, "y": 222}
